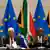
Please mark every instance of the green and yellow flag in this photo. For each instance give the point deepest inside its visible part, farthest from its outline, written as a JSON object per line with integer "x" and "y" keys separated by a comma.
{"x": 22, "y": 19}
{"x": 25, "y": 17}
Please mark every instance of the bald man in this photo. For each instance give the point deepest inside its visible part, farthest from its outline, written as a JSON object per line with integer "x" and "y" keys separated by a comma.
{"x": 11, "y": 37}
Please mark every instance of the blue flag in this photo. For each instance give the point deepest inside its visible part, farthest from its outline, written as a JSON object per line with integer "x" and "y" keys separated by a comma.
{"x": 5, "y": 20}
{"x": 11, "y": 19}
{"x": 40, "y": 20}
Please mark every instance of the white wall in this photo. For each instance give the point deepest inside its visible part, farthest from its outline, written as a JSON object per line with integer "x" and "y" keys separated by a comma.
{"x": 17, "y": 4}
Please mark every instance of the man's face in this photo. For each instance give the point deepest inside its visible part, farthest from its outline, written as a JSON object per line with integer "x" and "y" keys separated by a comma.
{"x": 40, "y": 30}
{"x": 11, "y": 33}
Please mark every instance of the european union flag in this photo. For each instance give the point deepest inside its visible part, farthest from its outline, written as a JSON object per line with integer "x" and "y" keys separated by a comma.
{"x": 39, "y": 14}
{"x": 5, "y": 20}
{"x": 40, "y": 20}
{"x": 11, "y": 19}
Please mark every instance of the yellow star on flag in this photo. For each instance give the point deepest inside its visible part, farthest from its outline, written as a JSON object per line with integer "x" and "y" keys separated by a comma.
{"x": 38, "y": 16}
{"x": 44, "y": 18}
{"x": 14, "y": 18}
{"x": 9, "y": 16}
{"x": 5, "y": 19}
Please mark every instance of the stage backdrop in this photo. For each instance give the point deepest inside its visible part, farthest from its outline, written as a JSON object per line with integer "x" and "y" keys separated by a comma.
{"x": 17, "y": 4}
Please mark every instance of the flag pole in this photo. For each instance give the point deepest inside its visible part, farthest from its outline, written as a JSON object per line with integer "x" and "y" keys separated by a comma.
{"x": 28, "y": 18}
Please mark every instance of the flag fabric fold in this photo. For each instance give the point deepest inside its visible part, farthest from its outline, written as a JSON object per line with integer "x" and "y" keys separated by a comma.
{"x": 32, "y": 28}
{"x": 5, "y": 19}
{"x": 21, "y": 21}
{"x": 25, "y": 17}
